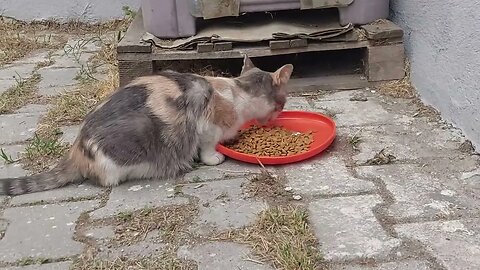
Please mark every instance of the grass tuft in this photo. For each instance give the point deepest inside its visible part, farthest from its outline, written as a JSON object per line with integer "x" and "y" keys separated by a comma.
{"x": 282, "y": 236}
{"x": 20, "y": 94}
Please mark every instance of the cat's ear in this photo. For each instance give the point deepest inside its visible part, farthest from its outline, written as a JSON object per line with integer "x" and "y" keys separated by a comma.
{"x": 247, "y": 64}
{"x": 282, "y": 75}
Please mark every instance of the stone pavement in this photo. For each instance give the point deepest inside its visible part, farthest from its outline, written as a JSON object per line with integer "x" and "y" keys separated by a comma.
{"x": 418, "y": 210}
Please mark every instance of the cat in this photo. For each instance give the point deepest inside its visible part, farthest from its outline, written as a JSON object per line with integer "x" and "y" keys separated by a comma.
{"x": 155, "y": 126}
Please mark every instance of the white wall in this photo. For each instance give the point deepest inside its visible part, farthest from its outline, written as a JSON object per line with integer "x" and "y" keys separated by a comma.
{"x": 65, "y": 10}
{"x": 443, "y": 43}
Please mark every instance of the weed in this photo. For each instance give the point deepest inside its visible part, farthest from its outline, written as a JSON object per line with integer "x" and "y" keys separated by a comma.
{"x": 20, "y": 94}
{"x": 281, "y": 236}
{"x": 7, "y": 159}
{"x": 355, "y": 140}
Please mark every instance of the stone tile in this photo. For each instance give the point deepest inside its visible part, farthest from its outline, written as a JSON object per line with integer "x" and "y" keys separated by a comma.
{"x": 136, "y": 195}
{"x": 13, "y": 151}
{"x": 137, "y": 250}
{"x": 347, "y": 228}
{"x": 33, "y": 58}
{"x": 70, "y": 133}
{"x": 417, "y": 141}
{"x": 18, "y": 71}
{"x": 324, "y": 175}
{"x": 11, "y": 170}
{"x": 3, "y": 225}
{"x": 70, "y": 61}
{"x": 223, "y": 206}
{"x": 455, "y": 244}
{"x": 101, "y": 233}
{"x": 229, "y": 168}
{"x": 360, "y": 113}
{"x": 298, "y": 104}
{"x": 15, "y": 169}
{"x": 52, "y": 91}
{"x": 424, "y": 190}
{"x": 33, "y": 108}
{"x": 344, "y": 95}
{"x": 36, "y": 231}
{"x": 70, "y": 192}
{"x": 401, "y": 265}
{"x": 17, "y": 127}
{"x": 48, "y": 266}
{"x": 56, "y": 80}
{"x": 220, "y": 256}
{"x": 6, "y": 84}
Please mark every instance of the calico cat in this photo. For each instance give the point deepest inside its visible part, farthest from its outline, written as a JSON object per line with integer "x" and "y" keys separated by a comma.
{"x": 157, "y": 125}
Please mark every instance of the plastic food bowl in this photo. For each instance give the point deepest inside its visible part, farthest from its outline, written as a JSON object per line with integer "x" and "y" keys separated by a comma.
{"x": 323, "y": 129}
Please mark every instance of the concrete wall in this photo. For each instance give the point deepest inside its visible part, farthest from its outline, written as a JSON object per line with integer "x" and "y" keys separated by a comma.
{"x": 65, "y": 10}
{"x": 443, "y": 44}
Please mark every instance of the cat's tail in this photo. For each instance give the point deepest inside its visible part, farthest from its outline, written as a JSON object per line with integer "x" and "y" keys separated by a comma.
{"x": 64, "y": 173}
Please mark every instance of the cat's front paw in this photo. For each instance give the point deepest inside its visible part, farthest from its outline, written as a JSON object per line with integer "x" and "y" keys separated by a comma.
{"x": 212, "y": 159}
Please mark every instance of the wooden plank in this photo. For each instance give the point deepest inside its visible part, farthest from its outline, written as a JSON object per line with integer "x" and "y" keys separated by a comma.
{"x": 222, "y": 46}
{"x": 383, "y": 29}
{"x": 257, "y": 51}
{"x": 131, "y": 42}
{"x": 298, "y": 43}
{"x": 204, "y": 47}
{"x": 279, "y": 44}
{"x": 385, "y": 62}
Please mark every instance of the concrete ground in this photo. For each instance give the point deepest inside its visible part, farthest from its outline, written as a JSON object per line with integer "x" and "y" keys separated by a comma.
{"x": 414, "y": 205}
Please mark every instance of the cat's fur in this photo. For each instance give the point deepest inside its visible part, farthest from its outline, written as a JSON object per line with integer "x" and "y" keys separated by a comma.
{"x": 155, "y": 126}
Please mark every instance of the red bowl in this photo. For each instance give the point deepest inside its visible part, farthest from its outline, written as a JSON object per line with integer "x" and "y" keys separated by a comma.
{"x": 323, "y": 129}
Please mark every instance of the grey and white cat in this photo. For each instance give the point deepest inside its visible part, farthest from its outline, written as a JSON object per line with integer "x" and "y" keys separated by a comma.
{"x": 155, "y": 126}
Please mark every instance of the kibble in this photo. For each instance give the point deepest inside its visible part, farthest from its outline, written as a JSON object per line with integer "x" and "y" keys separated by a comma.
{"x": 271, "y": 141}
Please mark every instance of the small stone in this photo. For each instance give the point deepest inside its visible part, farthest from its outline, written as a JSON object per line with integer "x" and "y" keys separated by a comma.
{"x": 297, "y": 197}
{"x": 288, "y": 188}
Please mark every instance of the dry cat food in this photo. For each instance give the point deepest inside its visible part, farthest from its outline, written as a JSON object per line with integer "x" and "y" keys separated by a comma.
{"x": 274, "y": 141}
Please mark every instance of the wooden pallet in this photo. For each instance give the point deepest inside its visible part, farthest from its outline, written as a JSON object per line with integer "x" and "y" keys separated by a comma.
{"x": 383, "y": 51}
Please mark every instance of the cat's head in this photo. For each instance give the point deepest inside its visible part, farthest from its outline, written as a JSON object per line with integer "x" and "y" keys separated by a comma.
{"x": 268, "y": 90}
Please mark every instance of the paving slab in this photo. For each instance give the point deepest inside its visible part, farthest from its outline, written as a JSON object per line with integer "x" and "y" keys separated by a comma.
{"x": 221, "y": 256}
{"x": 33, "y": 108}
{"x": 36, "y": 231}
{"x": 17, "y": 127}
{"x": 17, "y": 71}
{"x": 56, "y": 80}
{"x": 14, "y": 151}
{"x": 401, "y": 265}
{"x": 70, "y": 133}
{"x": 416, "y": 141}
{"x": 223, "y": 206}
{"x": 70, "y": 192}
{"x": 100, "y": 233}
{"x": 62, "y": 60}
{"x": 360, "y": 113}
{"x": 34, "y": 57}
{"x": 325, "y": 175}
{"x": 47, "y": 266}
{"x": 229, "y": 168}
{"x": 424, "y": 191}
{"x": 455, "y": 244}
{"x": 347, "y": 228}
{"x": 6, "y": 84}
{"x": 344, "y": 95}
{"x": 12, "y": 170}
{"x": 298, "y": 104}
{"x": 136, "y": 195}
{"x": 138, "y": 250}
